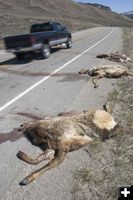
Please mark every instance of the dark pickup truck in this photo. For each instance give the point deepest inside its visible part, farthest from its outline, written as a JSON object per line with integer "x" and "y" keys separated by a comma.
{"x": 40, "y": 39}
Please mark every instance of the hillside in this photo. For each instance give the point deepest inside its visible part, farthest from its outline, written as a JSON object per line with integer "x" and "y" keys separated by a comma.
{"x": 97, "y": 6}
{"x": 17, "y": 15}
{"x": 128, "y": 14}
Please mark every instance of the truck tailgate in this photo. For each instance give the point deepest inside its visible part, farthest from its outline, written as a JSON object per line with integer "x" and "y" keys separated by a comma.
{"x": 17, "y": 41}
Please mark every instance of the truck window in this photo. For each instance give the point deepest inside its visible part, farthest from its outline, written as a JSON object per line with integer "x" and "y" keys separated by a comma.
{"x": 59, "y": 26}
{"x": 41, "y": 28}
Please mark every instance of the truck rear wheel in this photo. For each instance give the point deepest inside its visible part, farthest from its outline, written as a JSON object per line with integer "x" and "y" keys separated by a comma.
{"x": 45, "y": 51}
{"x": 19, "y": 56}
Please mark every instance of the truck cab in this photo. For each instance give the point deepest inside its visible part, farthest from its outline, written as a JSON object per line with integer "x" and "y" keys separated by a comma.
{"x": 42, "y": 37}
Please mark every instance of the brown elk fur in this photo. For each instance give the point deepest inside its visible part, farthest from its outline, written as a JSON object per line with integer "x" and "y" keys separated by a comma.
{"x": 107, "y": 71}
{"x": 63, "y": 134}
{"x": 117, "y": 57}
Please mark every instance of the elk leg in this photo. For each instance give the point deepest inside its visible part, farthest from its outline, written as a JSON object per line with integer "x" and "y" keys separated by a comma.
{"x": 59, "y": 157}
{"x": 48, "y": 154}
{"x": 95, "y": 79}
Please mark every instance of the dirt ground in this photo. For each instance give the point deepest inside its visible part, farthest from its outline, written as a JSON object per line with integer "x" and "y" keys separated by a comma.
{"x": 111, "y": 161}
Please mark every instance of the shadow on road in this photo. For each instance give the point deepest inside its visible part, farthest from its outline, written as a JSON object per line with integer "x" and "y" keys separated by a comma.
{"x": 67, "y": 76}
{"x": 29, "y": 57}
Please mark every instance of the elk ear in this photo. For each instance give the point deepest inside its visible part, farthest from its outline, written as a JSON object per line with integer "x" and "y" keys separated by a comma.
{"x": 107, "y": 108}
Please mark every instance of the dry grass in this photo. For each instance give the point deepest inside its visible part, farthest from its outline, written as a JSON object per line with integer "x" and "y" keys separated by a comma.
{"x": 111, "y": 162}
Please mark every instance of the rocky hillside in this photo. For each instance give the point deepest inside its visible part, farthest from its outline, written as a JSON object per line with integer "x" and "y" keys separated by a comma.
{"x": 97, "y": 6}
{"x": 128, "y": 14}
{"x": 17, "y": 15}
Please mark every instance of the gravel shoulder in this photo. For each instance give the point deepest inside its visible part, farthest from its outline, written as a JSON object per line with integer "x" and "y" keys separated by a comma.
{"x": 111, "y": 163}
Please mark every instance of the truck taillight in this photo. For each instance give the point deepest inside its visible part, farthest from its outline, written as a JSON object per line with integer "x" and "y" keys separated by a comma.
{"x": 33, "y": 40}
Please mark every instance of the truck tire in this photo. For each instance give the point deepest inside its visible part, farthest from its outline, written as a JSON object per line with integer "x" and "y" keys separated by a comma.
{"x": 45, "y": 51}
{"x": 69, "y": 43}
{"x": 19, "y": 56}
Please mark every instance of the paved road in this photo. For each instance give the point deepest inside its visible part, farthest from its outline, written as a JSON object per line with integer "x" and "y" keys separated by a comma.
{"x": 45, "y": 88}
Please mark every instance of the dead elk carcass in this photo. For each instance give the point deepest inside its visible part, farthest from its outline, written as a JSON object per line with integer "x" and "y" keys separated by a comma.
{"x": 107, "y": 71}
{"x": 117, "y": 57}
{"x": 63, "y": 134}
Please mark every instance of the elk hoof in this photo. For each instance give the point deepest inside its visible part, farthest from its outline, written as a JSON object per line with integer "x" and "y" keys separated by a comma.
{"x": 96, "y": 86}
{"x": 25, "y": 181}
{"x": 20, "y": 154}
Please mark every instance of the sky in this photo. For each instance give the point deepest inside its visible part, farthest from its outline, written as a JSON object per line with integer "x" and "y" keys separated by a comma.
{"x": 116, "y": 5}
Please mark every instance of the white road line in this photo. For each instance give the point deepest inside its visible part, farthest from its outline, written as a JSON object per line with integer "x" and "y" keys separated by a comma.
{"x": 54, "y": 72}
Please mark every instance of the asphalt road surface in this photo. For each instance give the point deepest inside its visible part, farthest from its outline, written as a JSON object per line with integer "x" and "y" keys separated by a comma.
{"x": 39, "y": 88}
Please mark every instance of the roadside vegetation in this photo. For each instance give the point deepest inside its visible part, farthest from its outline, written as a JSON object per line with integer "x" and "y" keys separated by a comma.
{"x": 112, "y": 161}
